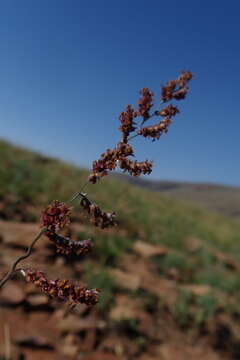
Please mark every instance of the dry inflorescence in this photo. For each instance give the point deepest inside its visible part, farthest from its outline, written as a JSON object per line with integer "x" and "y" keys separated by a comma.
{"x": 119, "y": 155}
{"x": 67, "y": 246}
{"x": 57, "y": 214}
{"x": 62, "y": 289}
{"x": 97, "y": 216}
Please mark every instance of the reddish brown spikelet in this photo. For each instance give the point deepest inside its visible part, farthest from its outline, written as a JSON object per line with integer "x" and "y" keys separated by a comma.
{"x": 184, "y": 78}
{"x": 181, "y": 93}
{"x": 119, "y": 156}
{"x": 93, "y": 177}
{"x": 167, "y": 91}
{"x": 55, "y": 216}
{"x": 169, "y": 111}
{"x": 109, "y": 160}
{"x": 100, "y": 166}
{"x": 145, "y": 103}
{"x": 155, "y": 131}
{"x": 97, "y": 216}
{"x": 63, "y": 289}
{"x": 127, "y": 123}
{"x": 135, "y": 168}
{"x": 176, "y": 89}
{"x": 67, "y": 246}
{"x": 123, "y": 149}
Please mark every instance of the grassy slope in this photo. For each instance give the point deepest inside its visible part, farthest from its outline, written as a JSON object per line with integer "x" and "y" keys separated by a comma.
{"x": 28, "y": 181}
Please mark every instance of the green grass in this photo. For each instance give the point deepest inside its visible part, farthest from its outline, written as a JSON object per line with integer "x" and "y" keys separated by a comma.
{"x": 180, "y": 310}
{"x": 190, "y": 311}
{"x": 110, "y": 248}
{"x": 99, "y": 278}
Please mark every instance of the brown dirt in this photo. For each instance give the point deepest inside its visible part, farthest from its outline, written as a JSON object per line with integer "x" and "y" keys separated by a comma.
{"x": 40, "y": 328}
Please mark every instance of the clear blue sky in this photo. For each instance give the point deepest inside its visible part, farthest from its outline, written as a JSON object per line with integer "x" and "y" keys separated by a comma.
{"x": 68, "y": 67}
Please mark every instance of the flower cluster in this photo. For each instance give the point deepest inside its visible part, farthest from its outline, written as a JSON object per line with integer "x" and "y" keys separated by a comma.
{"x": 176, "y": 89}
{"x": 97, "y": 216}
{"x": 127, "y": 117}
{"x": 145, "y": 103}
{"x": 55, "y": 216}
{"x": 109, "y": 160}
{"x": 113, "y": 158}
{"x": 67, "y": 246}
{"x": 127, "y": 124}
{"x": 155, "y": 131}
{"x": 135, "y": 168}
{"x": 119, "y": 155}
{"x": 168, "y": 111}
{"x": 62, "y": 289}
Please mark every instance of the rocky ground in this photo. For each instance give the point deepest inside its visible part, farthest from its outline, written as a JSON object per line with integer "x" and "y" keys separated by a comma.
{"x": 143, "y": 321}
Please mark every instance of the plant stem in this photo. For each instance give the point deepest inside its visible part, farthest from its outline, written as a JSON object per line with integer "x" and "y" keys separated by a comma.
{"x": 79, "y": 192}
{"x": 20, "y": 258}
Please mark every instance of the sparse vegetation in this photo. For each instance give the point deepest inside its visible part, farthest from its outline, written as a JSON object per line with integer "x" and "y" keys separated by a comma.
{"x": 206, "y": 307}
{"x": 181, "y": 308}
{"x": 98, "y": 277}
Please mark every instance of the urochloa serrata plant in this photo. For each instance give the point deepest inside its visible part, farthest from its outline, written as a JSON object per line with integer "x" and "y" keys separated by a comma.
{"x": 57, "y": 214}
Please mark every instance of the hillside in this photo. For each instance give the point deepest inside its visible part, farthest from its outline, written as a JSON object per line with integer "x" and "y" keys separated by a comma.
{"x": 168, "y": 266}
{"x": 214, "y": 197}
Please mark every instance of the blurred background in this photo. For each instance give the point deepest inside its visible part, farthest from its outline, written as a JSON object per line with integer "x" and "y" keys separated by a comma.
{"x": 169, "y": 273}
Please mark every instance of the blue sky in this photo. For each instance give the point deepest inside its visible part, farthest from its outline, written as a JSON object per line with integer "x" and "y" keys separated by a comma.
{"x": 69, "y": 67}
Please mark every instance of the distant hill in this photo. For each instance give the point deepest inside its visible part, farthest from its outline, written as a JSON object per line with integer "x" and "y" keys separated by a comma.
{"x": 214, "y": 197}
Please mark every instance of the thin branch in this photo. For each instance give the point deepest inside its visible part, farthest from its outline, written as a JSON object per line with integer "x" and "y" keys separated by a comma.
{"x": 20, "y": 258}
{"x": 79, "y": 192}
{"x": 132, "y": 137}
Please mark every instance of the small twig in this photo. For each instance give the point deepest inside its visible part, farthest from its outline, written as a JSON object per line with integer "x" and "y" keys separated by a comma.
{"x": 132, "y": 137}
{"x": 79, "y": 192}
{"x": 20, "y": 258}
{"x": 84, "y": 196}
